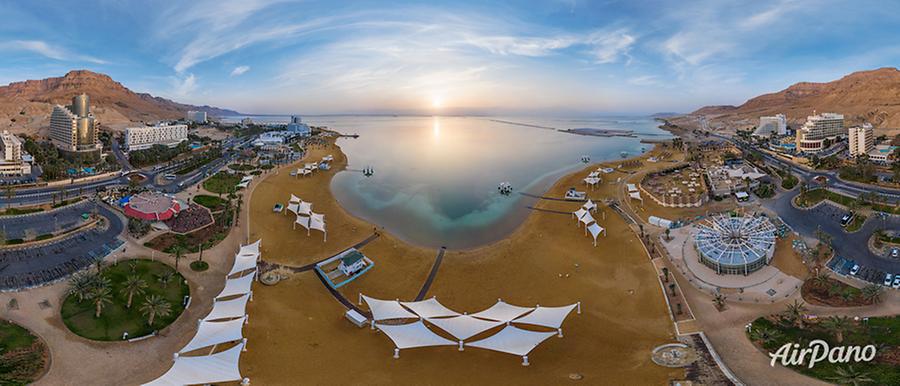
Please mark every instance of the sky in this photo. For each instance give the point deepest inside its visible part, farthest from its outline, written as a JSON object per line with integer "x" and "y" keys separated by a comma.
{"x": 567, "y": 57}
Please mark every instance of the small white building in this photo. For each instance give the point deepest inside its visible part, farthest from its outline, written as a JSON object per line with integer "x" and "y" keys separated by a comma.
{"x": 196, "y": 116}
{"x": 351, "y": 263}
{"x": 861, "y": 139}
{"x": 138, "y": 138}
{"x": 14, "y": 161}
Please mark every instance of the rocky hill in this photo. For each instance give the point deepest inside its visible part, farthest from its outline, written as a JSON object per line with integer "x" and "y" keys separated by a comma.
{"x": 25, "y": 106}
{"x": 865, "y": 96}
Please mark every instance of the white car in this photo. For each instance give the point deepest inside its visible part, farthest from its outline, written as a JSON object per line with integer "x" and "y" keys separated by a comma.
{"x": 855, "y": 269}
{"x": 896, "y": 281}
{"x": 887, "y": 279}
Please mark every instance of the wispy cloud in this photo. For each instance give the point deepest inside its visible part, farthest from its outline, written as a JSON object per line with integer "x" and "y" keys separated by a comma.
{"x": 240, "y": 70}
{"x": 49, "y": 51}
{"x": 184, "y": 86}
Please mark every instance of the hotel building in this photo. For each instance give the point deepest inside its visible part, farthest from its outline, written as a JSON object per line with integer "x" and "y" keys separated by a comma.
{"x": 138, "y": 138}
{"x": 296, "y": 126}
{"x": 73, "y": 129}
{"x": 12, "y": 163}
{"x": 196, "y": 116}
{"x": 819, "y": 129}
{"x": 861, "y": 140}
{"x": 767, "y": 125}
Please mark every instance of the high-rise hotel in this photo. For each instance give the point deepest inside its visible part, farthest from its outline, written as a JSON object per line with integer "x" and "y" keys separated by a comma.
{"x": 819, "y": 130}
{"x": 73, "y": 129}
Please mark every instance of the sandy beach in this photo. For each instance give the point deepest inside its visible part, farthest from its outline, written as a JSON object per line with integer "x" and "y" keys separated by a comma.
{"x": 298, "y": 334}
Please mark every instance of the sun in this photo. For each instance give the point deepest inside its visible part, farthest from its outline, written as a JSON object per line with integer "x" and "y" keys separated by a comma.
{"x": 437, "y": 102}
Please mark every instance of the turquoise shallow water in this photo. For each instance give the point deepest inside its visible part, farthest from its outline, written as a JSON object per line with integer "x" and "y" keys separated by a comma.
{"x": 435, "y": 180}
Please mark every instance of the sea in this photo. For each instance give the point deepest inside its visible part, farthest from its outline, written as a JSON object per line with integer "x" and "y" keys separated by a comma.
{"x": 435, "y": 178}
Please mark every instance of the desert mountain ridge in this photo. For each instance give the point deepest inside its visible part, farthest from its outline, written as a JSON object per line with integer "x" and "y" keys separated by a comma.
{"x": 25, "y": 106}
{"x": 866, "y": 96}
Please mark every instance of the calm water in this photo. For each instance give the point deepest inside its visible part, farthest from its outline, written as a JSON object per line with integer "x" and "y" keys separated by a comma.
{"x": 435, "y": 181}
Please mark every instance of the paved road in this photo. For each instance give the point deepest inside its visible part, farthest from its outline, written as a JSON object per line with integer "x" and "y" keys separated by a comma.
{"x": 827, "y": 218}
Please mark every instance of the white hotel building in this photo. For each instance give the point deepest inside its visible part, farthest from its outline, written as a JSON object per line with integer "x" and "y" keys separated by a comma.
{"x": 817, "y": 130}
{"x": 861, "y": 140}
{"x": 12, "y": 163}
{"x": 767, "y": 125}
{"x": 138, "y": 138}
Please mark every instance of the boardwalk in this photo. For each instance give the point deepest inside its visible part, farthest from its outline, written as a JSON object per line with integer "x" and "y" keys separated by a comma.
{"x": 266, "y": 266}
{"x": 432, "y": 274}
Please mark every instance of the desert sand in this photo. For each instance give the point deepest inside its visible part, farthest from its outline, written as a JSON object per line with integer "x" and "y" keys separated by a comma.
{"x": 298, "y": 335}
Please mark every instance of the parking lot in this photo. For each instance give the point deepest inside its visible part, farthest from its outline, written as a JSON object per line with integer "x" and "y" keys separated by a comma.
{"x": 42, "y": 223}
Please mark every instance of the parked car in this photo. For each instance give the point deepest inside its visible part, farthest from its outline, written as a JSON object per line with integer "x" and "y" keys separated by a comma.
{"x": 895, "y": 252}
{"x": 855, "y": 269}
{"x": 896, "y": 281}
{"x": 887, "y": 279}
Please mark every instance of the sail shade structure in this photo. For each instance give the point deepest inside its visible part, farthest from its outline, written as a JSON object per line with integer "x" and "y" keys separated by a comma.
{"x": 464, "y": 326}
{"x": 243, "y": 262}
{"x": 512, "y": 340}
{"x": 250, "y": 249}
{"x": 430, "y": 308}
{"x": 317, "y": 222}
{"x": 595, "y": 230}
{"x": 636, "y": 196}
{"x": 227, "y": 309}
{"x": 237, "y": 286}
{"x": 413, "y": 335}
{"x": 201, "y": 370}
{"x": 502, "y": 312}
{"x": 304, "y": 208}
{"x": 294, "y": 199}
{"x": 387, "y": 309}
{"x": 579, "y": 213}
{"x": 292, "y": 207}
{"x": 589, "y": 206}
{"x": 303, "y": 221}
{"x": 213, "y": 333}
{"x": 551, "y": 317}
{"x": 587, "y": 219}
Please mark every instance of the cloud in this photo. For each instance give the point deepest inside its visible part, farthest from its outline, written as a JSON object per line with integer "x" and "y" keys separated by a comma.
{"x": 644, "y": 80}
{"x": 607, "y": 47}
{"x": 44, "y": 49}
{"x": 240, "y": 70}
{"x": 184, "y": 86}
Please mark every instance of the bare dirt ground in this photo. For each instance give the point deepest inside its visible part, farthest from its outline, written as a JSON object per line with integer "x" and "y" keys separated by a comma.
{"x": 297, "y": 331}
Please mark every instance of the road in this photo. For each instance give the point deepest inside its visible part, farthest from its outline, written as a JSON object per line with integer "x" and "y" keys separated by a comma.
{"x": 40, "y": 195}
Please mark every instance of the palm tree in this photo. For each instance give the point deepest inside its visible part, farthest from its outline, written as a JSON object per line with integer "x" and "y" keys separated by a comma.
{"x": 765, "y": 335}
{"x": 849, "y": 376}
{"x": 838, "y": 325}
{"x": 80, "y": 285}
{"x": 665, "y": 272}
{"x": 872, "y": 293}
{"x": 133, "y": 285}
{"x": 672, "y": 287}
{"x": 166, "y": 277}
{"x": 822, "y": 279}
{"x": 177, "y": 252}
{"x": 100, "y": 296}
{"x": 719, "y": 301}
{"x": 154, "y": 306}
{"x": 847, "y": 295}
{"x": 794, "y": 313}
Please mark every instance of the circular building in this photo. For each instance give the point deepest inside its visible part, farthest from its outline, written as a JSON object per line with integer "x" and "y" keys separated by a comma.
{"x": 735, "y": 245}
{"x": 151, "y": 206}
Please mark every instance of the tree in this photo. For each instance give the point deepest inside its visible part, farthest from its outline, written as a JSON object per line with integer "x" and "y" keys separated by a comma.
{"x": 81, "y": 284}
{"x": 100, "y": 296}
{"x": 672, "y": 287}
{"x": 838, "y": 325}
{"x": 667, "y": 234}
{"x": 133, "y": 285}
{"x": 872, "y": 293}
{"x": 765, "y": 335}
{"x": 665, "y": 272}
{"x": 793, "y": 313}
{"x": 849, "y": 376}
{"x": 719, "y": 301}
{"x": 822, "y": 279}
{"x": 166, "y": 277}
{"x": 177, "y": 252}
{"x": 154, "y": 306}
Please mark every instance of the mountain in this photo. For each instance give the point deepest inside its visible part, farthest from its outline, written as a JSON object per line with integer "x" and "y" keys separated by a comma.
{"x": 25, "y": 106}
{"x": 864, "y": 96}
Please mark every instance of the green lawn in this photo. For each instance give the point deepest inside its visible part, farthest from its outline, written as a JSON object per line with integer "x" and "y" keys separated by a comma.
{"x": 881, "y": 332}
{"x": 17, "y": 211}
{"x": 211, "y": 202}
{"x": 222, "y": 182}
{"x": 857, "y": 223}
{"x": 812, "y": 197}
{"x": 788, "y": 181}
{"x": 241, "y": 167}
{"x": 116, "y": 318}
{"x": 21, "y": 355}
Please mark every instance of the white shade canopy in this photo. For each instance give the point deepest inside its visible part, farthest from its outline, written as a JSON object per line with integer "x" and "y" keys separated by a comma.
{"x": 430, "y": 308}
{"x": 303, "y": 221}
{"x": 587, "y": 219}
{"x": 552, "y": 317}
{"x": 512, "y": 340}
{"x": 226, "y": 309}
{"x": 213, "y": 333}
{"x": 304, "y": 208}
{"x": 579, "y": 213}
{"x": 464, "y": 327}
{"x": 317, "y": 222}
{"x": 292, "y": 207}
{"x": 632, "y": 187}
{"x": 294, "y": 199}
{"x": 243, "y": 262}
{"x": 636, "y": 196}
{"x": 502, "y": 311}
{"x": 595, "y": 231}
{"x": 589, "y": 206}
{"x": 413, "y": 335}
{"x": 201, "y": 370}
{"x": 250, "y": 249}
{"x": 387, "y": 309}
{"x": 237, "y": 286}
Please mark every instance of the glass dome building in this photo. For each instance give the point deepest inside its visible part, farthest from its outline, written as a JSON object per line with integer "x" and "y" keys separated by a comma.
{"x": 735, "y": 245}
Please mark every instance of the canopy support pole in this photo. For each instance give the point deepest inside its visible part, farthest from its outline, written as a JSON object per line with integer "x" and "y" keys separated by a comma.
{"x": 559, "y": 332}
{"x": 244, "y": 342}
{"x": 461, "y": 346}
{"x": 525, "y": 360}
{"x": 579, "y": 307}
{"x": 396, "y": 353}
{"x": 245, "y": 382}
